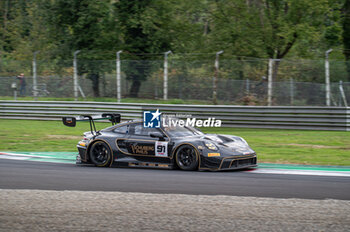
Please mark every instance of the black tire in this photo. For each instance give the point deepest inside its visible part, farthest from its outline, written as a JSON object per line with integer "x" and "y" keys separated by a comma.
{"x": 187, "y": 158}
{"x": 100, "y": 154}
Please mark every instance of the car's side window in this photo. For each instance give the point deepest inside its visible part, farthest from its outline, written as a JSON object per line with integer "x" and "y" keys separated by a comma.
{"x": 140, "y": 130}
{"x": 122, "y": 129}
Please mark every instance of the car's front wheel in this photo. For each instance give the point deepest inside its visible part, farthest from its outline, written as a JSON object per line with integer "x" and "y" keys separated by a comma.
{"x": 186, "y": 158}
{"x": 100, "y": 154}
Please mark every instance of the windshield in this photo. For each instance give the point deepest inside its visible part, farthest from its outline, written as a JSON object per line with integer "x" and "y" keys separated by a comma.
{"x": 179, "y": 131}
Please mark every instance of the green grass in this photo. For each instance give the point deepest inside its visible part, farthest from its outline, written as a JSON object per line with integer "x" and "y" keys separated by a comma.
{"x": 273, "y": 146}
{"x": 295, "y": 146}
{"x": 124, "y": 100}
{"x": 30, "y": 135}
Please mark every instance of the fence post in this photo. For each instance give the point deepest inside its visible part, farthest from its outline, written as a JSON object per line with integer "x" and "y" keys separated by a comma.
{"x": 342, "y": 93}
{"x": 215, "y": 81}
{"x": 165, "y": 82}
{"x": 118, "y": 76}
{"x": 75, "y": 65}
{"x": 35, "y": 83}
{"x": 291, "y": 91}
{"x": 328, "y": 88}
{"x": 269, "y": 83}
{"x": 15, "y": 91}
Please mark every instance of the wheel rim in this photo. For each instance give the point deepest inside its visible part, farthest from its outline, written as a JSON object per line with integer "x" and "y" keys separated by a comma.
{"x": 99, "y": 153}
{"x": 186, "y": 157}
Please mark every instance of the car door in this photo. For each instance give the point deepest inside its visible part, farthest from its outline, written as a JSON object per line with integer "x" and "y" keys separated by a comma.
{"x": 140, "y": 144}
{"x": 122, "y": 133}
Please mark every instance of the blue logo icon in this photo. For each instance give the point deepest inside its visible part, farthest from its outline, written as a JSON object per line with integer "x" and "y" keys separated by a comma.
{"x": 151, "y": 119}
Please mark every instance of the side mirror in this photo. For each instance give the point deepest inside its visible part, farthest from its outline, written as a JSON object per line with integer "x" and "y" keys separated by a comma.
{"x": 157, "y": 135}
{"x": 69, "y": 121}
{"x": 114, "y": 118}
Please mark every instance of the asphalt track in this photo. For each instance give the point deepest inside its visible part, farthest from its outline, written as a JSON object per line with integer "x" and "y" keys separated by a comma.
{"x": 19, "y": 174}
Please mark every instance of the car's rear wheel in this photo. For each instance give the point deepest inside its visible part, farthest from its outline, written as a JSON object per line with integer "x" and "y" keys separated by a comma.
{"x": 187, "y": 158}
{"x": 100, "y": 154}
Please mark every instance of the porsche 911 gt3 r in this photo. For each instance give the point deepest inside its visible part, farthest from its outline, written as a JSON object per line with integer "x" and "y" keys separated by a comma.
{"x": 131, "y": 144}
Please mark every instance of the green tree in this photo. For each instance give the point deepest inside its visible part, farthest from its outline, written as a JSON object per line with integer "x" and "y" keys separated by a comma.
{"x": 269, "y": 28}
{"x": 346, "y": 35}
{"x": 23, "y": 31}
{"x": 83, "y": 25}
{"x": 5, "y": 16}
{"x": 274, "y": 29}
{"x": 144, "y": 28}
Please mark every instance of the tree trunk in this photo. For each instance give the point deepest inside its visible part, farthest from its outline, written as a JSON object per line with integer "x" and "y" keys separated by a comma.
{"x": 94, "y": 77}
{"x": 276, "y": 65}
{"x": 6, "y": 10}
{"x": 240, "y": 71}
{"x": 104, "y": 92}
{"x": 348, "y": 68}
{"x": 135, "y": 87}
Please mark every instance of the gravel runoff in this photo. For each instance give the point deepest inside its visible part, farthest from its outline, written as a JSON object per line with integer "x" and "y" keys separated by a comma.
{"x": 36, "y": 210}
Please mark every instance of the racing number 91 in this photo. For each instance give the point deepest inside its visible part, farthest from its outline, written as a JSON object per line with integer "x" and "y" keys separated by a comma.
{"x": 161, "y": 149}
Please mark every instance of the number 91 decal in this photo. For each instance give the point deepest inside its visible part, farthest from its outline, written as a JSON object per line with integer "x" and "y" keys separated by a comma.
{"x": 161, "y": 149}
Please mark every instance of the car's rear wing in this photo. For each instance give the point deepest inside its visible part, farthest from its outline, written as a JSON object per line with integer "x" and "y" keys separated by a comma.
{"x": 71, "y": 121}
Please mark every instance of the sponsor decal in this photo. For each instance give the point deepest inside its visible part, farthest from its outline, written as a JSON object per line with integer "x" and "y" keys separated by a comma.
{"x": 161, "y": 149}
{"x": 213, "y": 154}
{"x": 143, "y": 150}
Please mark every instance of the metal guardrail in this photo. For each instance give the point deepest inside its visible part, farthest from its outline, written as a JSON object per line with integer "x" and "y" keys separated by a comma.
{"x": 279, "y": 117}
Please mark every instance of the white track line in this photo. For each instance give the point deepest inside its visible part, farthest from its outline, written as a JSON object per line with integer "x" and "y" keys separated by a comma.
{"x": 301, "y": 172}
{"x": 13, "y": 157}
{"x": 24, "y": 155}
{"x": 16, "y": 156}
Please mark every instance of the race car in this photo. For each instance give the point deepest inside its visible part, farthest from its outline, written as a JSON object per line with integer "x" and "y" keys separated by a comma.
{"x": 130, "y": 144}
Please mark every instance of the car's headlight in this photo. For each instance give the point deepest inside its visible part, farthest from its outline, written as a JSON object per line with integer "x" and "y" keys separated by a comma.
{"x": 211, "y": 146}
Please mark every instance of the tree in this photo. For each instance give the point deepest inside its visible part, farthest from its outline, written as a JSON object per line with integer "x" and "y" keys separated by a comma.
{"x": 83, "y": 25}
{"x": 274, "y": 29}
{"x": 144, "y": 29}
{"x": 346, "y": 35}
{"x": 270, "y": 28}
{"x": 4, "y": 20}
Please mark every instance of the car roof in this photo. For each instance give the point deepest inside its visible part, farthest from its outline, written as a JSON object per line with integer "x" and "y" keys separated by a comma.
{"x": 123, "y": 124}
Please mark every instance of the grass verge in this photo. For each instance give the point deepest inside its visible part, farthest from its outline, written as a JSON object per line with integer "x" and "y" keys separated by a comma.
{"x": 273, "y": 146}
{"x": 123, "y": 100}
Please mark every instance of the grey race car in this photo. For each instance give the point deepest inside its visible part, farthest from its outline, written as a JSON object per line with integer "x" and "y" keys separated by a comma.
{"x": 131, "y": 144}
